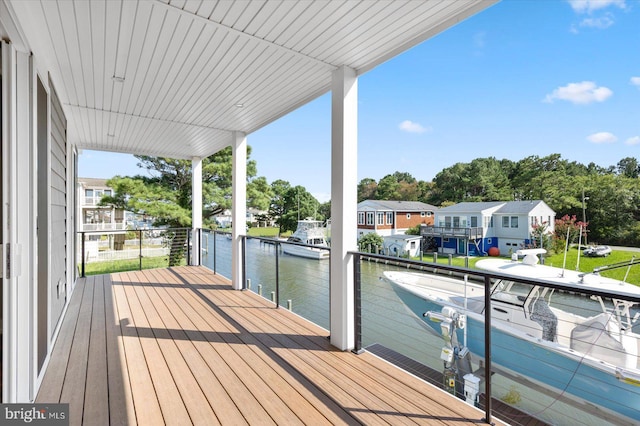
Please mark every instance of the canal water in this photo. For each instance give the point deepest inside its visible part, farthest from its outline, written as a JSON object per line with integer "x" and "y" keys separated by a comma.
{"x": 304, "y": 283}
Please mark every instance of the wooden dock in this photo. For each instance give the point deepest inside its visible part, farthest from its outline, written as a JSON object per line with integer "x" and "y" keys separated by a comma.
{"x": 179, "y": 346}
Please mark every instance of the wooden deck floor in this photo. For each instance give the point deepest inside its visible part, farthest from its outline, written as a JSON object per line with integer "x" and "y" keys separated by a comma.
{"x": 178, "y": 346}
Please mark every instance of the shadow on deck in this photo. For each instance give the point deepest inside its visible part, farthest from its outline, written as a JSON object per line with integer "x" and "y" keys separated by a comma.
{"x": 179, "y": 346}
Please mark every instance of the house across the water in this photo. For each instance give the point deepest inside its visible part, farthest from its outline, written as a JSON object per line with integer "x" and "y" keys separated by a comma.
{"x": 472, "y": 228}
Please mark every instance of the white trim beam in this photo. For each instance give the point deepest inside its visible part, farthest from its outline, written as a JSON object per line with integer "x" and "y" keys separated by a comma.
{"x": 196, "y": 208}
{"x": 344, "y": 209}
{"x": 239, "y": 207}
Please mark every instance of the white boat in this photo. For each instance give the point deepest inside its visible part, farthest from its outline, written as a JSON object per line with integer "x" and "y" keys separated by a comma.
{"x": 308, "y": 240}
{"x": 583, "y": 347}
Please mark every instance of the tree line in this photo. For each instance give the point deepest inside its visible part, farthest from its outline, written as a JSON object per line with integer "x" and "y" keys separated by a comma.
{"x": 608, "y": 198}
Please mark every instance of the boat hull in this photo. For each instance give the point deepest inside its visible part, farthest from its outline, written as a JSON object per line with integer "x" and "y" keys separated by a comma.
{"x": 559, "y": 370}
{"x": 307, "y": 252}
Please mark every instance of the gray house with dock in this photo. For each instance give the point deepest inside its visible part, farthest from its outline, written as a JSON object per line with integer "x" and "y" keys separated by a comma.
{"x": 473, "y": 228}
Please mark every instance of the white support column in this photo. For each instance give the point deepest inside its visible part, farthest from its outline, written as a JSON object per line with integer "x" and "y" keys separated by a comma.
{"x": 239, "y": 207}
{"x": 196, "y": 208}
{"x": 344, "y": 158}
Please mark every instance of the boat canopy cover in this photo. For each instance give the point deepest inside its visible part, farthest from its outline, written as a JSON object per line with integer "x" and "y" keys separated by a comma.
{"x": 592, "y": 338}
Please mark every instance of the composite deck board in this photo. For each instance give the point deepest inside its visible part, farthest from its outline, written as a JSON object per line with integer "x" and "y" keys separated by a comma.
{"x": 51, "y": 387}
{"x": 96, "y": 400}
{"x": 301, "y": 402}
{"x": 121, "y": 409}
{"x": 179, "y": 346}
{"x": 381, "y": 379}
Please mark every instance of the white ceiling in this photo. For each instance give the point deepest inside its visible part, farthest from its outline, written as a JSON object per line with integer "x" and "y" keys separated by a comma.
{"x": 188, "y": 64}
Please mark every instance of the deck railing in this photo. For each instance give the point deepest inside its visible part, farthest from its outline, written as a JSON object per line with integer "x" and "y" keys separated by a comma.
{"x": 113, "y": 251}
{"x": 378, "y": 307}
{"x": 470, "y": 233}
{"x": 383, "y": 321}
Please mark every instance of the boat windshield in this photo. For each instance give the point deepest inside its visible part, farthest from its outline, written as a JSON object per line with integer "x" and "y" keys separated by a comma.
{"x": 511, "y": 292}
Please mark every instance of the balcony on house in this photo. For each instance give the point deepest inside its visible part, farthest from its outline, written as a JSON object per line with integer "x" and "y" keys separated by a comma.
{"x": 469, "y": 232}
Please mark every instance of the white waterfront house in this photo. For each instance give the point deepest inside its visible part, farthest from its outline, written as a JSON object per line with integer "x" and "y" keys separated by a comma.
{"x": 181, "y": 79}
{"x": 92, "y": 216}
{"x": 474, "y": 227}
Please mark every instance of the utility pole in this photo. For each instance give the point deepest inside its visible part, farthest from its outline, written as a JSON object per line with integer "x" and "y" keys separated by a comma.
{"x": 584, "y": 216}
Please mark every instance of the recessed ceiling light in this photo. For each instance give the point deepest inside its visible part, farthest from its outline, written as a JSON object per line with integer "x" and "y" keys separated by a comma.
{"x": 238, "y": 105}
{"x": 111, "y": 135}
{"x": 118, "y": 79}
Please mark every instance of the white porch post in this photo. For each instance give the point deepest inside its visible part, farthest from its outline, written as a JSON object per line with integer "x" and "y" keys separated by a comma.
{"x": 239, "y": 207}
{"x": 344, "y": 156}
{"x": 196, "y": 208}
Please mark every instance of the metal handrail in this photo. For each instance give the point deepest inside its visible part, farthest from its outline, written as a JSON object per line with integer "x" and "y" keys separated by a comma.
{"x": 482, "y": 277}
{"x": 140, "y": 233}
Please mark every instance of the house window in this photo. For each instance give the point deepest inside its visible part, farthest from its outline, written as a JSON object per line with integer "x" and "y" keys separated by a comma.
{"x": 408, "y": 215}
{"x": 369, "y": 218}
{"x": 447, "y": 221}
{"x": 88, "y": 193}
{"x": 509, "y": 221}
{"x": 107, "y": 192}
{"x": 456, "y": 221}
{"x": 380, "y": 218}
{"x": 413, "y": 244}
{"x": 474, "y": 221}
{"x": 360, "y": 218}
{"x": 389, "y": 218}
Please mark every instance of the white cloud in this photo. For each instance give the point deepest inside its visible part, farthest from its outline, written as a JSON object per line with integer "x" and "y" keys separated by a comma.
{"x": 411, "y": 127}
{"x": 589, "y": 6}
{"x": 585, "y": 92}
{"x": 602, "y": 137}
{"x": 599, "y": 23}
{"x": 635, "y": 81}
{"x": 633, "y": 141}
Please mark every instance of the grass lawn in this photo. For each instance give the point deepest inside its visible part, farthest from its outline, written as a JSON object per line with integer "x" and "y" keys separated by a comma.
{"x": 98, "y": 268}
{"x": 587, "y": 264}
{"x": 270, "y": 232}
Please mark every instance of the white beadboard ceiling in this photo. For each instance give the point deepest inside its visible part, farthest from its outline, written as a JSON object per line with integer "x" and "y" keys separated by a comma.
{"x": 187, "y": 65}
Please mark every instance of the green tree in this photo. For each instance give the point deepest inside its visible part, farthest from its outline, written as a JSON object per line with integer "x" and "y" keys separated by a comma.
{"x": 279, "y": 190}
{"x": 398, "y": 186}
{"x": 367, "y": 189}
{"x": 629, "y": 167}
{"x": 324, "y": 210}
{"x": 369, "y": 242}
{"x": 297, "y": 204}
{"x": 166, "y": 195}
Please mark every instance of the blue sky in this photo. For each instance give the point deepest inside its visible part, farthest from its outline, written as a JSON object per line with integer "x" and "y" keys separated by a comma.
{"x": 521, "y": 78}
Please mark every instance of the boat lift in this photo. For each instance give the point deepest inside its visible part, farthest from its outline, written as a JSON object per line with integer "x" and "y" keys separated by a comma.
{"x": 458, "y": 377}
